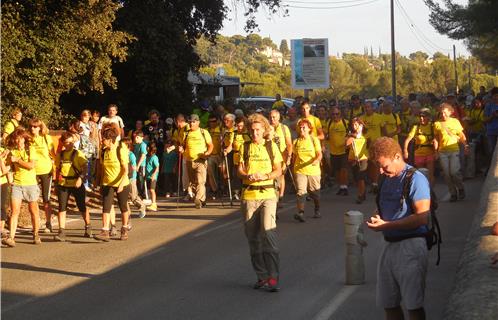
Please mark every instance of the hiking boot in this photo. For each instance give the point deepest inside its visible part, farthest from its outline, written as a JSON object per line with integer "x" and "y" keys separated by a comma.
{"x": 260, "y": 284}
{"x": 272, "y": 285}
{"x": 124, "y": 233}
{"x": 152, "y": 207}
{"x": 461, "y": 194}
{"x": 9, "y": 242}
{"x": 60, "y": 236}
{"x": 453, "y": 198}
{"x": 48, "y": 227}
{"x": 317, "y": 214}
{"x": 360, "y": 199}
{"x": 103, "y": 236}
{"x": 114, "y": 231}
{"x": 300, "y": 217}
{"x": 198, "y": 203}
{"x": 36, "y": 239}
{"x": 88, "y": 231}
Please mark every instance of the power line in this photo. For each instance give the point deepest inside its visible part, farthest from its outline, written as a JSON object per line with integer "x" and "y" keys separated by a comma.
{"x": 334, "y": 7}
{"x": 418, "y": 30}
{"x": 413, "y": 31}
{"x": 321, "y": 2}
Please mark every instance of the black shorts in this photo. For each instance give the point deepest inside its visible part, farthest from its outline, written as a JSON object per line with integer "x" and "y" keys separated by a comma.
{"x": 338, "y": 162}
{"x": 151, "y": 184}
{"x": 108, "y": 198}
{"x": 360, "y": 170}
{"x": 79, "y": 196}
{"x": 45, "y": 180}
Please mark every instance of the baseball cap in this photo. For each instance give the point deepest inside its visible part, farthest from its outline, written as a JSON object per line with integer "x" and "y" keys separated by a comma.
{"x": 193, "y": 117}
{"x": 425, "y": 112}
{"x": 169, "y": 121}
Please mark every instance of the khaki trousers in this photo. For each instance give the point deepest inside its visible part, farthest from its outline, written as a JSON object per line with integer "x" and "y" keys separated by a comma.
{"x": 260, "y": 228}
{"x": 197, "y": 173}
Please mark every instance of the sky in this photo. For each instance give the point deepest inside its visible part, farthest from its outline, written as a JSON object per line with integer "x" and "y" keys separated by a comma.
{"x": 349, "y": 30}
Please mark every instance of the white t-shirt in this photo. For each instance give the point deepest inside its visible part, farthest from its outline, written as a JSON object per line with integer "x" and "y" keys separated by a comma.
{"x": 115, "y": 119}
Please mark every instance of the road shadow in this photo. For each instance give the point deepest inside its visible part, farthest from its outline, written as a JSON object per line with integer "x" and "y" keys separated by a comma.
{"x": 27, "y": 267}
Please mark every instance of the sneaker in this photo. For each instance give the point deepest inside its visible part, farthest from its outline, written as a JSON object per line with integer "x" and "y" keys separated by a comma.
{"x": 103, "y": 236}
{"x": 300, "y": 217}
{"x": 88, "y": 189}
{"x": 36, "y": 239}
{"x": 60, "y": 236}
{"x": 9, "y": 242}
{"x": 236, "y": 196}
{"x": 88, "y": 231}
{"x": 272, "y": 285}
{"x": 143, "y": 211}
{"x": 317, "y": 214}
{"x": 152, "y": 207}
{"x": 198, "y": 203}
{"x": 213, "y": 195}
{"x": 113, "y": 232}
{"x": 453, "y": 198}
{"x": 48, "y": 227}
{"x": 124, "y": 233}
{"x": 461, "y": 194}
{"x": 260, "y": 284}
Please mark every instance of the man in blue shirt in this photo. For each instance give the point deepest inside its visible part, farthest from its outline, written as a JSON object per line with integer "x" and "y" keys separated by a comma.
{"x": 140, "y": 151}
{"x": 491, "y": 120}
{"x": 402, "y": 266}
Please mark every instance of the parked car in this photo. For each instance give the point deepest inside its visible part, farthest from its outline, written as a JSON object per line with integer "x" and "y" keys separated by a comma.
{"x": 260, "y": 102}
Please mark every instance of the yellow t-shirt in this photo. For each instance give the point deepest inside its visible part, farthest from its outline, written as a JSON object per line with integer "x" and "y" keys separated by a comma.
{"x": 477, "y": 115}
{"x": 179, "y": 134}
{"x": 259, "y": 161}
{"x": 3, "y": 178}
{"x": 278, "y": 104}
{"x": 407, "y": 122}
{"x": 10, "y": 126}
{"x": 305, "y": 151}
{"x": 282, "y": 132}
{"x": 112, "y": 166}
{"x": 196, "y": 144}
{"x": 373, "y": 124}
{"x": 42, "y": 147}
{"x": 336, "y": 132}
{"x": 216, "y": 138}
{"x": 391, "y": 122}
{"x": 238, "y": 141}
{"x": 22, "y": 176}
{"x": 447, "y": 133}
{"x": 67, "y": 168}
{"x": 315, "y": 122}
{"x": 359, "y": 151}
{"x": 423, "y": 135}
{"x": 228, "y": 135}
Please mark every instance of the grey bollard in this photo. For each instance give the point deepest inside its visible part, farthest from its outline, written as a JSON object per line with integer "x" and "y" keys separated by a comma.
{"x": 353, "y": 232}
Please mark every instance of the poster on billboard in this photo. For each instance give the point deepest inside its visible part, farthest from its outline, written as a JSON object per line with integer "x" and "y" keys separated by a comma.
{"x": 310, "y": 63}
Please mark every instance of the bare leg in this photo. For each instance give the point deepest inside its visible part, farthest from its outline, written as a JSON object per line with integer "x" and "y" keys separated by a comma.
{"x": 16, "y": 208}
{"x": 35, "y": 216}
{"x": 62, "y": 219}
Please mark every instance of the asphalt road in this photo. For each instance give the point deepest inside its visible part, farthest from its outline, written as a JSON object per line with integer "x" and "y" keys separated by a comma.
{"x": 194, "y": 264}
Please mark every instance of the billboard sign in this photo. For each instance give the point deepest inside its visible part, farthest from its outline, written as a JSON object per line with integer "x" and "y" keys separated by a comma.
{"x": 310, "y": 63}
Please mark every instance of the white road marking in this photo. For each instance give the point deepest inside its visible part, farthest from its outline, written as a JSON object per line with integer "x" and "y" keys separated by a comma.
{"x": 335, "y": 303}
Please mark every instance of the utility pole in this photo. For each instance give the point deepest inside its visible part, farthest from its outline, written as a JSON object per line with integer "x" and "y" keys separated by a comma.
{"x": 393, "y": 58}
{"x": 456, "y": 71}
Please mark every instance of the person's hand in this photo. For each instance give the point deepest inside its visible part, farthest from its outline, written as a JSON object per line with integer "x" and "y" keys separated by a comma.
{"x": 14, "y": 159}
{"x": 180, "y": 149}
{"x": 376, "y": 223}
{"x": 120, "y": 188}
{"x": 466, "y": 149}
{"x": 79, "y": 182}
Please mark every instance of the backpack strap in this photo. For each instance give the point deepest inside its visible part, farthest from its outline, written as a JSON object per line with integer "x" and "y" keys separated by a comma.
{"x": 247, "y": 145}
{"x": 345, "y": 126}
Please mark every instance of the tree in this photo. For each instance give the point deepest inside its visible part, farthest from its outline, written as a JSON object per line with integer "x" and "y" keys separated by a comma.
{"x": 51, "y": 47}
{"x": 475, "y": 23}
{"x": 284, "y": 48}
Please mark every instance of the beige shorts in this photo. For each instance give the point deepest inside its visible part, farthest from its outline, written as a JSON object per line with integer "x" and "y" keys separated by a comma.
{"x": 306, "y": 183}
{"x": 401, "y": 274}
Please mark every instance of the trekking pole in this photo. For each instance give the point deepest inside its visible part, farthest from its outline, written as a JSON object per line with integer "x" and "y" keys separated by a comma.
{"x": 179, "y": 172}
{"x": 147, "y": 201}
{"x": 292, "y": 178}
{"x": 228, "y": 179}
